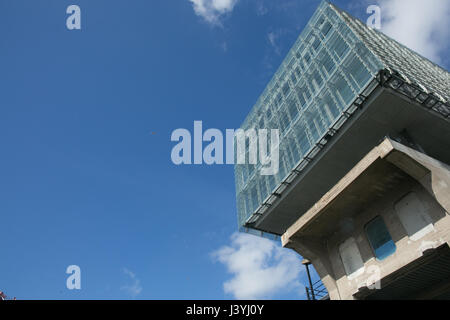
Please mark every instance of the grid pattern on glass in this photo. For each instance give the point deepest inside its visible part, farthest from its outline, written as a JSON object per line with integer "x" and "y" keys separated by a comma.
{"x": 396, "y": 57}
{"x": 321, "y": 76}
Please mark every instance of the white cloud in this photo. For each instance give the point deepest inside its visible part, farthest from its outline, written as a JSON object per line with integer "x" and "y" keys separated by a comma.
{"x": 212, "y": 10}
{"x": 273, "y": 37}
{"x": 260, "y": 267}
{"x": 420, "y": 25}
{"x": 133, "y": 288}
{"x": 261, "y": 9}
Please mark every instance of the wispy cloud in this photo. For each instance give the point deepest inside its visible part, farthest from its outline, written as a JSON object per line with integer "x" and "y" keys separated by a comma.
{"x": 423, "y": 26}
{"x": 224, "y": 46}
{"x": 274, "y": 37}
{"x": 261, "y": 8}
{"x": 260, "y": 268}
{"x": 213, "y": 10}
{"x": 133, "y": 288}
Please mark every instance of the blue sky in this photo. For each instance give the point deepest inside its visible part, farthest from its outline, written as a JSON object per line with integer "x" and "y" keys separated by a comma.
{"x": 85, "y": 167}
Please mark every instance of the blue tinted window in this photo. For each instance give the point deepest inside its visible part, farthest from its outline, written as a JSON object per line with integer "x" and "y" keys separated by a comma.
{"x": 344, "y": 90}
{"x": 284, "y": 121}
{"x": 341, "y": 47}
{"x": 316, "y": 44}
{"x": 278, "y": 100}
{"x": 293, "y": 78}
{"x": 380, "y": 239}
{"x": 286, "y": 89}
{"x": 254, "y": 196}
{"x": 261, "y": 123}
{"x": 318, "y": 79}
{"x": 307, "y": 58}
{"x": 326, "y": 28}
{"x": 292, "y": 108}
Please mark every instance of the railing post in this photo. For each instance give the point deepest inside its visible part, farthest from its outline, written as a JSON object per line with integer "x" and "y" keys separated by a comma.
{"x": 306, "y": 263}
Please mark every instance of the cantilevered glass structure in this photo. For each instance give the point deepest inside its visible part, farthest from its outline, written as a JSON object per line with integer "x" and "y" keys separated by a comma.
{"x": 331, "y": 70}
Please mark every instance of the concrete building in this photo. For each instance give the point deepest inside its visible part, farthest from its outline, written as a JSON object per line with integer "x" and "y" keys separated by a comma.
{"x": 383, "y": 231}
{"x": 363, "y": 188}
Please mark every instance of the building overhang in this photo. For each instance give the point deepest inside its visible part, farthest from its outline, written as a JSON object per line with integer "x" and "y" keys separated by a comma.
{"x": 385, "y": 112}
{"x": 381, "y": 170}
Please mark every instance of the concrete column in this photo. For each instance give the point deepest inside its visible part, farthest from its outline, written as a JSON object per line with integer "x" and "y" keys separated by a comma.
{"x": 317, "y": 253}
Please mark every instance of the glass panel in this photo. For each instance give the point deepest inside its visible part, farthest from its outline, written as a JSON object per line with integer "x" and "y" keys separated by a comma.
{"x": 321, "y": 93}
{"x": 317, "y": 79}
{"x": 284, "y": 121}
{"x": 359, "y": 73}
{"x": 341, "y": 47}
{"x": 316, "y": 44}
{"x": 380, "y": 239}
{"x": 303, "y": 140}
{"x": 292, "y": 108}
{"x": 344, "y": 91}
{"x": 263, "y": 188}
{"x": 286, "y": 89}
{"x": 296, "y": 155}
{"x": 254, "y": 197}
{"x": 330, "y": 106}
{"x": 293, "y": 78}
{"x": 326, "y": 28}
{"x": 327, "y": 62}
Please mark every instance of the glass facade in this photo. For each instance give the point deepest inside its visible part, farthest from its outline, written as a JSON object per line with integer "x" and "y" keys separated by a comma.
{"x": 326, "y": 70}
{"x": 412, "y": 67}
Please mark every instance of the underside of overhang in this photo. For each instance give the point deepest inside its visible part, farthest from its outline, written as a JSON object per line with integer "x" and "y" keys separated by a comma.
{"x": 386, "y": 113}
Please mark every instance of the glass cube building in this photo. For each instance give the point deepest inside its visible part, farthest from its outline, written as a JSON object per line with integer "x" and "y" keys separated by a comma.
{"x": 336, "y": 62}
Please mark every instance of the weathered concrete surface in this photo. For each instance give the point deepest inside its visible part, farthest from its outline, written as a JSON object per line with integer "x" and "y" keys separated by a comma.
{"x": 374, "y": 187}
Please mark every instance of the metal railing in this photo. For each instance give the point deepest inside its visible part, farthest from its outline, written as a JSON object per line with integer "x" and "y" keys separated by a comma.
{"x": 318, "y": 291}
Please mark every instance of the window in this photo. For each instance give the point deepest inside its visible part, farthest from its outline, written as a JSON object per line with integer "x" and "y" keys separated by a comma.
{"x": 307, "y": 58}
{"x": 254, "y": 197}
{"x": 317, "y": 79}
{"x": 316, "y": 44}
{"x": 286, "y": 89}
{"x": 303, "y": 94}
{"x": 292, "y": 108}
{"x": 303, "y": 140}
{"x": 326, "y": 28}
{"x": 379, "y": 238}
{"x": 272, "y": 182}
{"x": 263, "y": 188}
{"x": 261, "y": 123}
{"x": 344, "y": 90}
{"x": 340, "y": 47}
{"x": 359, "y": 72}
{"x": 351, "y": 258}
{"x": 294, "y": 150}
{"x": 414, "y": 216}
{"x": 293, "y": 78}
{"x": 330, "y": 107}
{"x": 284, "y": 121}
{"x": 327, "y": 62}
{"x": 269, "y": 112}
{"x": 278, "y": 100}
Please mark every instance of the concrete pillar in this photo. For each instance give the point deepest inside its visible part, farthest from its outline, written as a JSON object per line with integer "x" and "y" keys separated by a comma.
{"x": 316, "y": 252}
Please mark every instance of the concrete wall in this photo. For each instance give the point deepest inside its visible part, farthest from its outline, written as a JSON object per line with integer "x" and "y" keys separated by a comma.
{"x": 408, "y": 248}
{"x": 409, "y": 190}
